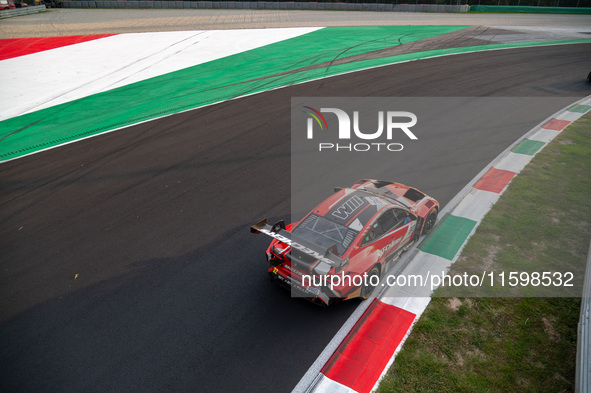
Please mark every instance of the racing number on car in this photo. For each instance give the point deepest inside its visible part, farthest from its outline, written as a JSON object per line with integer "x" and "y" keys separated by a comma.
{"x": 275, "y": 270}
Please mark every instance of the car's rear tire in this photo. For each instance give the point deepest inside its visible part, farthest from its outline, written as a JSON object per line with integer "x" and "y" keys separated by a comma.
{"x": 368, "y": 289}
{"x": 430, "y": 222}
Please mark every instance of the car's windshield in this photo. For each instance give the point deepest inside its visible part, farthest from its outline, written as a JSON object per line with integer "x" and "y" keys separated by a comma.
{"x": 326, "y": 233}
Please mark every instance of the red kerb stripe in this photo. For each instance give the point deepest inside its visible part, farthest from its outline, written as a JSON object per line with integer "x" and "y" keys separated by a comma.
{"x": 14, "y": 47}
{"x": 495, "y": 180}
{"x": 364, "y": 354}
{"x": 556, "y": 125}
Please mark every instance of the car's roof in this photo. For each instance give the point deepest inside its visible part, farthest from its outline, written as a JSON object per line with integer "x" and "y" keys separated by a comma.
{"x": 353, "y": 208}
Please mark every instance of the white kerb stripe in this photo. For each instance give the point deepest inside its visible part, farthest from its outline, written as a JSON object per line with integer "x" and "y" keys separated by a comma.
{"x": 424, "y": 265}
{"x": 476, "y": 204}
{"x": 92, "y": 67}
{"x": 544, "y": 135}
{"x": 570, "y": 116}
{"x": 327, "y": 385}
{"x": 513, "y": 162}
{"x": 415, "y": 305}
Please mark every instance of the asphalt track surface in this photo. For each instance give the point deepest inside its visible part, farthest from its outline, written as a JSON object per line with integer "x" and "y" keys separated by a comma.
{"x": 127, "y": 264}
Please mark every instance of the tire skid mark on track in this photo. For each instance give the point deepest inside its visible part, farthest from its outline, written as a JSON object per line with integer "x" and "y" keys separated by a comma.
{"x": 149, "y": 309}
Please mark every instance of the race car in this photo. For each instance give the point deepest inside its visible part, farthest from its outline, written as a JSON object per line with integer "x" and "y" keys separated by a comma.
{"x": 342, "y": 247}
{"x": 6, "y": 5}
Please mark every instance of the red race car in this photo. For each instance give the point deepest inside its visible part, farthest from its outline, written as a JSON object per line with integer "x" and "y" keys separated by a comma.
{"x": 6, "y": 5}
{"x": 343, "y": 246}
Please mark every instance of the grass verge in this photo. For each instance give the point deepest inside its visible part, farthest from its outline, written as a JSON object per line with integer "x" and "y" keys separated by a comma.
{"x": 509, "y": 344}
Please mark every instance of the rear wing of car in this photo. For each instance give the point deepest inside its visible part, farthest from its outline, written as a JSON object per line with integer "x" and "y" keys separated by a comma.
{"x": 278, "y": 232}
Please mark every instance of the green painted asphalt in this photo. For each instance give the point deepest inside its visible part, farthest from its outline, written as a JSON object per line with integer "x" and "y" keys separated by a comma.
{"x": 580, "y": 108}
{"x": 233, "y": 76}
{"x": 447, "y": 239}
{"x": 528, "y": 147}
{"x": 265, "y": 68}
